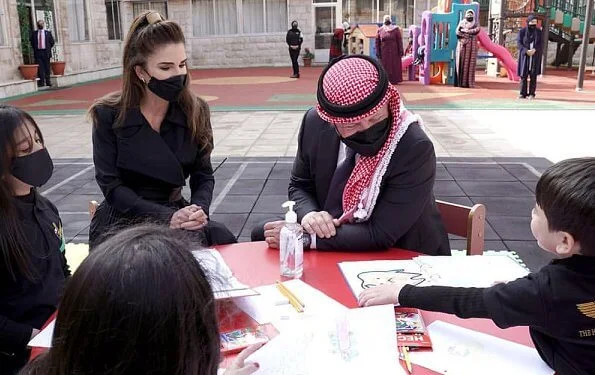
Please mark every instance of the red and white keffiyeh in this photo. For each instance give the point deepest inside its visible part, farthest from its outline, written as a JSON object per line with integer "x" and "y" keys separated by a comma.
{"x": 347, "y": 83}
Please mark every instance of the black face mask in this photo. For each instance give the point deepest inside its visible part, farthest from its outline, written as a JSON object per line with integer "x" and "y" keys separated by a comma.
{"x": 294, "y": 26}
{"x": 34, "y": 169}
{"x": 387, "y": 22}
{"x": 532, "y": 27}
{"x": 168, "y": 89}
{"x": 469, "y": 19}
{"x": 371, "y": 140}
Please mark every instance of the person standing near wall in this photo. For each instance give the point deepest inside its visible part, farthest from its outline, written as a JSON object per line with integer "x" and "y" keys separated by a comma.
{"x": 294, "y": 40}
{"x": 42, "y": 42}
{"x": 530, "y": 45}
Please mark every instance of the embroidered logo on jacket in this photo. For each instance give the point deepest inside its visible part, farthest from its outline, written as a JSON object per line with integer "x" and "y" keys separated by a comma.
{"x": 587, "y": 309}
{"x": 59, "y": 231}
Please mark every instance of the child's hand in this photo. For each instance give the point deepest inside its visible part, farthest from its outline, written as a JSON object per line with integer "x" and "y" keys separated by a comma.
{"x": 381, "y": 295}
{"x": 239, "y": 367}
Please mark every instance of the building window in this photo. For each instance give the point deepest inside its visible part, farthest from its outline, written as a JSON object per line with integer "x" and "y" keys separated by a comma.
{"x": 112, "y": 15}
{"x": 158, "y": 6}
{"x": 77, "y": 20}
{"x": 225, "y": 17}
{"x": 2, "y": 40}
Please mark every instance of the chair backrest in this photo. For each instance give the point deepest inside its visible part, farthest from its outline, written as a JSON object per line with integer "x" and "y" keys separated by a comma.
{"x": 92, "y": 208}
{"x": 467, "y": 222}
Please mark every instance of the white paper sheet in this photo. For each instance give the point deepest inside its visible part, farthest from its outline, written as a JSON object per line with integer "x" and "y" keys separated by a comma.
{"x": 313, "y": 347}
{"x": 44, "y": 338}
{"x": 270, "y": 306}
{"x": 470, "y": 271}
{"x": 367, "y": 274}
{"x": 461, "y": 351}
{"x": 222, "y": 280}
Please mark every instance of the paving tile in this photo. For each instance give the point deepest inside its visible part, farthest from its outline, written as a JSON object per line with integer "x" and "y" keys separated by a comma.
{"x": 74, "y": 225}
{"x": 90, "y": 188}
{"x": 257, "y": 219}
{"x": 511, "y": 228}
{"x": 281, "y": 171}
{"x": 495, "y": 189}
{"x": 219, "y": 185}
{"x": 270, "y": 204}
{"x": 236, "y": 204}
{"x": 479, "y": 173}
{"x": 530, "y": 185}
{"x": 448, "y": 189}
{"x": 250, "y": 187}
{"x": 82, "y": 237}
{"x": 534, "y": 257}
{"x": 233, "y": 222}
{"x": 226, "y": 171}
{"x": 521, "y": 172}
{"x": 458, "y": 244}
{"x": 244, "y": 239}
{"x": 507, "y": 206}
{"x": 77, "y": 202}
{"x": 442, "y": 174}
{"x": 256, "y": 171}
{"x": 276, "y": 187}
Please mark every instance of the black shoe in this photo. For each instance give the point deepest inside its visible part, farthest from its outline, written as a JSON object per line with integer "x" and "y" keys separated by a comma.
{"x": 531, "y": 97}
{"x": 522, "y": 97}
{"x": 295, "y": 76}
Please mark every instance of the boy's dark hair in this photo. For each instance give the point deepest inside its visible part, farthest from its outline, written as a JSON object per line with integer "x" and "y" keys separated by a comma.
{"x": 140, "y": 303}
{"x": 566, "y": 194}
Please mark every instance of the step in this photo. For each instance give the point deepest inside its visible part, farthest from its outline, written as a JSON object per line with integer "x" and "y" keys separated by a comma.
{"x": 19, "y": 87}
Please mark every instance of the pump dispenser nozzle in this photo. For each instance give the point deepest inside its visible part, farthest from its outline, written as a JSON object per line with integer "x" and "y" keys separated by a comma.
{"x": 290, "y": 216}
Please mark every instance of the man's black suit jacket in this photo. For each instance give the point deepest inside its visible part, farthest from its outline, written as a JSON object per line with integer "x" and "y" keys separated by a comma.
{"x": 405, "y": 215}
{"x": 49, "y": 41}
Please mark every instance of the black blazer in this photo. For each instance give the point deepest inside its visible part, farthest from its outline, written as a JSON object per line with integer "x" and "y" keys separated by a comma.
{"x": 139, "y": 169}
{"x": 49, "y": 42}
{"x": 405, "y": 215}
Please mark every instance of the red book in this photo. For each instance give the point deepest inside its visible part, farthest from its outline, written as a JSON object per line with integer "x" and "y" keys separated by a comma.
{"x": 411, "y": 328}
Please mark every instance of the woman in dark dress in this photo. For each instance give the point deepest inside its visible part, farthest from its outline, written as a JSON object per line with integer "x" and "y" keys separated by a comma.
{"x": 33, "y": 267}
{"x": 466, "y": 55}
{"x": 150, "y": 137}
{"x": 389, "y": 50}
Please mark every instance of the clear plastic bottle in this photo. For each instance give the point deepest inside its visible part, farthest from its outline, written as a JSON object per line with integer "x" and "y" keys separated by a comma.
{"x": 291, "y": 246}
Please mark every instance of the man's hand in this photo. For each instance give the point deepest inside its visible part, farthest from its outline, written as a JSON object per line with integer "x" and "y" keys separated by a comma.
{"x": 387, "y": 294}
{"x": 238, "y": 367}
{"x": 272, "y": 231}
{"x": 321, "y": 224}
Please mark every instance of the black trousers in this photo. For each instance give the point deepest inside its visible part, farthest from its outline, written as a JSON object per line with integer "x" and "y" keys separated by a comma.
{"x": 295, "y": 54}
{"x": 532, "y": 85}
{"x": 107, "y": 221}
{"x": 42, "y": 57}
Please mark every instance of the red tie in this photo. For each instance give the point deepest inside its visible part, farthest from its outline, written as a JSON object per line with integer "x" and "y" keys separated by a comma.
{"x": 40, "y": 42}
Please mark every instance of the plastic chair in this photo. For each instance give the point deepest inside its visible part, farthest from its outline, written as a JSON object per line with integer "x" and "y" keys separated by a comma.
{"x": 467, "y": 222}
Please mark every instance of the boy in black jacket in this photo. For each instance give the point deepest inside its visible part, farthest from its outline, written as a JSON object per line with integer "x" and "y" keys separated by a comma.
{"x": 558, "y": 302}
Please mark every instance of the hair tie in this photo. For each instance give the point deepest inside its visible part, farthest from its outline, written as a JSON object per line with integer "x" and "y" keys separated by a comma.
{"x": 153, "y": 17}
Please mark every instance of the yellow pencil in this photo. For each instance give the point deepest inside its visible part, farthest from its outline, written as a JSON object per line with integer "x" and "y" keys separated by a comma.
{"x": 407, "y": 360}
{"x": 292, "y": 300}
{"x": 290, "y": 293}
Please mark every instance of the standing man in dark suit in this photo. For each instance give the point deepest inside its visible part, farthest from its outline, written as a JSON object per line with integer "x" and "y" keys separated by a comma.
{"x": 42, "y": 42}
{"x": 363, "y": 176}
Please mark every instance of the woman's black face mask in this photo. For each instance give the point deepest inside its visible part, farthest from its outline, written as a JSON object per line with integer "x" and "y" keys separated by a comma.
{"x": 34, "y": 169}
{"x": 370, "y": 141}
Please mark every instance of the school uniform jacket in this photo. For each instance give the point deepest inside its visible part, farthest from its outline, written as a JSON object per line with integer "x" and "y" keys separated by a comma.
{"x": 138, "y": 169}
{"x": 405, "y": 215}
{"x": 26, "y": 304}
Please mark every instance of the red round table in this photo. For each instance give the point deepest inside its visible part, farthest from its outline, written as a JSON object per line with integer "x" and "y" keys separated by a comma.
{"x": 253, "y": 263}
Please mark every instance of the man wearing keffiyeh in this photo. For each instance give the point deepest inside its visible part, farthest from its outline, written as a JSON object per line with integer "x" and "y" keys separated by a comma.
{"x": 364, "y": 172}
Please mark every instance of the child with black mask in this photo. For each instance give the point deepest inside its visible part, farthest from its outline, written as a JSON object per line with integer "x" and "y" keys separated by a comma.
{"x": 558, "y": 302}
{"x": 33, "y": 268}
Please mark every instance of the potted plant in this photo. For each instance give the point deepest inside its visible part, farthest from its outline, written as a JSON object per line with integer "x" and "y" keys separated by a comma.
{"x": 308, "y": 56}
{"x": 29, "y": 68}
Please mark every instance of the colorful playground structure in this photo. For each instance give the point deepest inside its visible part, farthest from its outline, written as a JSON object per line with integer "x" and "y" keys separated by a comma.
{"x": 437, "y": 34}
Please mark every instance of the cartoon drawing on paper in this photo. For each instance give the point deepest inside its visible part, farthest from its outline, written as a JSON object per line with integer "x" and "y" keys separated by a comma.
{"x": 370, "y": 279}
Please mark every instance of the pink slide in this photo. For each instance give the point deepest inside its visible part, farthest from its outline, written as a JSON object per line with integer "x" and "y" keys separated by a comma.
{"x": 406, "y": 61}
{"x": 501, "y": 53}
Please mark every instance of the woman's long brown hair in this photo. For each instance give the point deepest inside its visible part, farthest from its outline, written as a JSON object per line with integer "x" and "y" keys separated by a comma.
{"x": 148, "y": 32}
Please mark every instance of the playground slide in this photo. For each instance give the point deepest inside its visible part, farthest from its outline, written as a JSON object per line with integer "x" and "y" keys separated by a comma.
{"x": 501, "y": 53}
{"x": 406, "y": 61}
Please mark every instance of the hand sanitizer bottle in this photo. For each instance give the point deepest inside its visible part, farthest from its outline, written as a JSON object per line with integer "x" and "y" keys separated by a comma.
{"x": 291, "y": 246}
